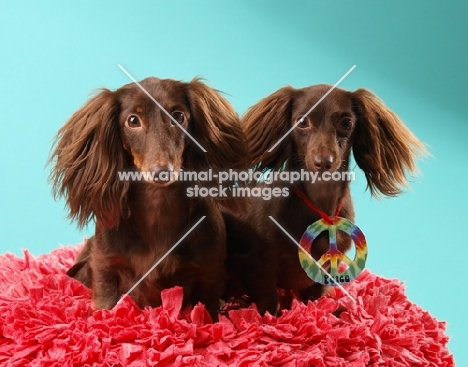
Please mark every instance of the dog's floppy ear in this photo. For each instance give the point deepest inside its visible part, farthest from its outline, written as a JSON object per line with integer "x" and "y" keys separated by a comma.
{"x": 87, "y": 157}
{"x": 384, "y": 148}
{"x": 265, "y": 124}
{"x": 216, "y": 127}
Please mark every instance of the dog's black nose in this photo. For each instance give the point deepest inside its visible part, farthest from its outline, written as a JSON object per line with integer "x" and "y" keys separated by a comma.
{"x": 323, "y": 163}
{"x": 162, "y": 173}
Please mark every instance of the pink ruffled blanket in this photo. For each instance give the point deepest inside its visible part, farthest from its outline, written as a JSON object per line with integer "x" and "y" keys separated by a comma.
{"x": 46, "y": 320}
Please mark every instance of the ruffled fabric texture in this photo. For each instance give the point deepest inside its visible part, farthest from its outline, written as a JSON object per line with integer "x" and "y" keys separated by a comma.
{"x": 46, "y": 319}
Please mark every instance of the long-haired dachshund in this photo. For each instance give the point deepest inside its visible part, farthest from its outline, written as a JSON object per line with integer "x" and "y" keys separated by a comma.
{"x": 344, "y": 122}
{"x": 137, "y": 222}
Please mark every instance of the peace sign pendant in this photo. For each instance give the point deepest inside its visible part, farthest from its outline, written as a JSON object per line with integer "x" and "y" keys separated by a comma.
{"x": 315, "y": 269}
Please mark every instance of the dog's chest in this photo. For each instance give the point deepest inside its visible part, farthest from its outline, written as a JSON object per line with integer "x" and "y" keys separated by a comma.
{"x": 159, "y": 219}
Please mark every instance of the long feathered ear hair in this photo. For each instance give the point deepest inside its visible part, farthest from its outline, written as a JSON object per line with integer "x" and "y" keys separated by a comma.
{"x": 384, "y": 148}
{"x": 87, "y": 156}
{"x": 217, "y": 128}
{"x": 265, "y": 124}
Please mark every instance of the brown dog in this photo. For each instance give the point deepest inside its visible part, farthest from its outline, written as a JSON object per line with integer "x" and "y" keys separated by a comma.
{"x": 261, "y": 257}
{"x": 137, "y": 222}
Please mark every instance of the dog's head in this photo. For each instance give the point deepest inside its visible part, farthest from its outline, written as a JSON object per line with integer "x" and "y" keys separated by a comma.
{"x": 153, "y": 127}
{"x": 325, "y": 131}
{"x": 157, "y": 130}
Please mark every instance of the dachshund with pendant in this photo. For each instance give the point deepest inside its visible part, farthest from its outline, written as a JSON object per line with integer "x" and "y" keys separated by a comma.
{"x": 344, "y": 123}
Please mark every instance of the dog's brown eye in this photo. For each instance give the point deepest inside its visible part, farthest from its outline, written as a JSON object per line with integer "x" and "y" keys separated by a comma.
{"x": 346, "y": 124}
{"x": 302, "y": 122}
{"x": 178, "y": 116}
{"x": 133, "y": 121}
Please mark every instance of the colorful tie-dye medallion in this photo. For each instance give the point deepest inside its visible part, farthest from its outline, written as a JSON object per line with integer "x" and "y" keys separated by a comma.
{"x": 341, "y": 274}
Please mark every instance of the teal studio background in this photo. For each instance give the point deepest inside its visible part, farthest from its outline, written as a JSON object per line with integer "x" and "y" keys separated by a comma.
{"x": 53, "y": 54}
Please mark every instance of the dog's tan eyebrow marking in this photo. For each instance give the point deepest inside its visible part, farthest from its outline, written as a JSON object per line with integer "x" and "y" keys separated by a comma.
{"x": 175, "y": 107}
{"x": 139, "y": 109}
